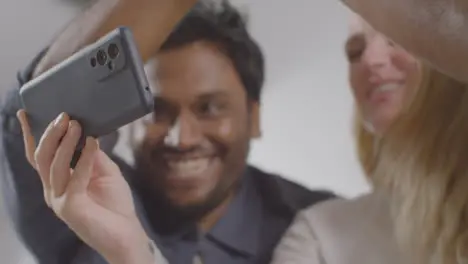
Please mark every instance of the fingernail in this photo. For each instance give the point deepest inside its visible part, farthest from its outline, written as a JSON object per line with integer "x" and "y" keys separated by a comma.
{"x": 71, "y": 127}
{"x": 89, "y": 140}
{"x": 20, "y": 114}
{"x": 59, "y": 119}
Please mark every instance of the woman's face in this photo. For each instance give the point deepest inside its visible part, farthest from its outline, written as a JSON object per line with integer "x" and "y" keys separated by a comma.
{"x": 380, "y": 73}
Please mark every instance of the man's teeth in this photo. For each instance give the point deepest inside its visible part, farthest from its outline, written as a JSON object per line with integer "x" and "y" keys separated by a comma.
{"x": 388, "y": 87}
{"x": 189, "y": 167}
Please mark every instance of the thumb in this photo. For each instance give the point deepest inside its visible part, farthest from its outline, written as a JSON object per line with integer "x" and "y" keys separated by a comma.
{"x": 84, "y": 168}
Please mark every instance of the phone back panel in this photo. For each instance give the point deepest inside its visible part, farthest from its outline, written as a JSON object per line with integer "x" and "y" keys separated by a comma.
{"x": 103, "y": 86}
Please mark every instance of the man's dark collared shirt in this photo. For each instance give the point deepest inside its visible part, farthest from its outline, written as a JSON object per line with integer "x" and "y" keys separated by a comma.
{"x": 234, "y": 239}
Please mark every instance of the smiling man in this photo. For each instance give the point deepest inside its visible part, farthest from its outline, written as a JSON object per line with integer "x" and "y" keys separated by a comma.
{"x": 209, "y": 102}
{"x": 209, "y": 113}
{"x": 194, "y": 191}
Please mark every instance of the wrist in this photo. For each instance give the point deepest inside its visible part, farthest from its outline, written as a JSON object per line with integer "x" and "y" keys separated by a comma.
{"x": 153, "y": 21}
{"x": 136, "y": 248}
{"x": 141, "y": 254}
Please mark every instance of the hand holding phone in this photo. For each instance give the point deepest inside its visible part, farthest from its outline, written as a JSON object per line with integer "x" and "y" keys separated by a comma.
{"x": 93, "y": 199}
{"x": 103, "y": 87}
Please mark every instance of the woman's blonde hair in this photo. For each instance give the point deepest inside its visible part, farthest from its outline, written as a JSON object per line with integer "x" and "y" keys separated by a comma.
{"x": 365, "y": 145}
{"x": 423, "y": 163}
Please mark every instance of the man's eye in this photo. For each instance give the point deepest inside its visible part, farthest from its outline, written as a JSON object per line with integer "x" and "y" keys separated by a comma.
{"x": 210, "y": 109}
{"x": 163, "y": 112}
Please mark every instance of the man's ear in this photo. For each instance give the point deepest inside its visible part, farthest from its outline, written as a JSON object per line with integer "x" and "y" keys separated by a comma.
{"x": 255, "y": 124}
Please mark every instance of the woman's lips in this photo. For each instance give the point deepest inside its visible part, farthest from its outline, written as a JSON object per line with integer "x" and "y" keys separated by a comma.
{"x": 383, "y": 92}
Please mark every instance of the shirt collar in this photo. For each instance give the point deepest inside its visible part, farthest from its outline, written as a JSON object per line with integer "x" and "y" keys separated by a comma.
{"x": 239, "y": 228}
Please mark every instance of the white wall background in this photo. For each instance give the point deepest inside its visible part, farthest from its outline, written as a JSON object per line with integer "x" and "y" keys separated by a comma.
{"x": 307, "y": 110}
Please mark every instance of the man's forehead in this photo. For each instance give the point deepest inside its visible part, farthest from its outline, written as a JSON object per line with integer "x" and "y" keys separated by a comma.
{"x": 201, "y": 57}
{"x": 150, "y": 68}
{"x": 201, "y": 86}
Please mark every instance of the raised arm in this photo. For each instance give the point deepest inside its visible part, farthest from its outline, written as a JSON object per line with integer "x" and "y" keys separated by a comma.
{"x": 44, "y": 234}
{"x": 150, "y": 20}
{"x": 434, "y": 30}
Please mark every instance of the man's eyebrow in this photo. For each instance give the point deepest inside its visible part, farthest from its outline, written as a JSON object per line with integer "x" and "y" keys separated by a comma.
{"x": 161, "y": 101}
{"x": 213, "y": 95}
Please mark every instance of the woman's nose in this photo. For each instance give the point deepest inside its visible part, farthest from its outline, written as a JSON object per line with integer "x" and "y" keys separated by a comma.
{"x": 377, "y": 55}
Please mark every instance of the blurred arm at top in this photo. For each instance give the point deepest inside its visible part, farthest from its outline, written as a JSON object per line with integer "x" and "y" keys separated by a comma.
{"x": 48, "y": 238}
{"x": 434, "y": 30}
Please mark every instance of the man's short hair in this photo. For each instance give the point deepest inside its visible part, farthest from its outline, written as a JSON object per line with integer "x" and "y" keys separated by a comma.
{"x": 220, "y": 23}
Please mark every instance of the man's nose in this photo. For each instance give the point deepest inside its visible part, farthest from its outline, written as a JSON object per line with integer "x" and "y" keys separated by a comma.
{"x": 185, "y": 133}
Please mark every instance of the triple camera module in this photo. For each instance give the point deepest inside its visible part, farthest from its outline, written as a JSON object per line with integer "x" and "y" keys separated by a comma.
{"x": 106, "y": 57}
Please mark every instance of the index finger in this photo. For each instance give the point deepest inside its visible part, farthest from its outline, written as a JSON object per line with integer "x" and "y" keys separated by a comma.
{"x": 29, "y": 141}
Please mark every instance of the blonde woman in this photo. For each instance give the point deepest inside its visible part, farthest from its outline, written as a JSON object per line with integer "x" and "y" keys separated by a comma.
{"x": 423, "y": 165}
{"x": 421, "y": 170}
{"x": 382, "y": 77}
{"x": 420, "y": 213}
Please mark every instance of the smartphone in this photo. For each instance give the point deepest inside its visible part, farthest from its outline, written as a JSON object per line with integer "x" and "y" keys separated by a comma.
{"x": 103, "y": 87}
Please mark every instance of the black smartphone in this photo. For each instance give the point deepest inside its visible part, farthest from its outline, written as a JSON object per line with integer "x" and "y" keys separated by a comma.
{"x": 103, "y": 87}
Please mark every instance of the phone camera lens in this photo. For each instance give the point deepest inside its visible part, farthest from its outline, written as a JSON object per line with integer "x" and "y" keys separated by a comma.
{"x": 93, "y": 62}
{"x": 113, "y": 51}
{"x": 101, "y": 57}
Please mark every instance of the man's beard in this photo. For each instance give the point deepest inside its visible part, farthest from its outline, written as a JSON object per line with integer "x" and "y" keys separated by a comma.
{"x": 170, "y": 215}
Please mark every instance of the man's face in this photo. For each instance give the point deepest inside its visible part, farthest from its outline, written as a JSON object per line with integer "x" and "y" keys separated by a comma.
{"x": 195, "y": 148}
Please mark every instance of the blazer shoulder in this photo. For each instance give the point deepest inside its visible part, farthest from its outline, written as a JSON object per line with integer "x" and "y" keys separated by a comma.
{"x": 288, "y": 194}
